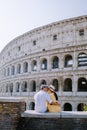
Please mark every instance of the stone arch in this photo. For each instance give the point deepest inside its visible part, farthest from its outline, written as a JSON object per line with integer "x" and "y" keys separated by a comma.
{"x": 31, "y": 105}
{"x": 44, "y": 64}
{"x": 24, "y": 86}
{"x": 17, "y": 86}
{"x": 7, "y": 88}
{"x": 43, "y": 81}
{"x": 67, "y": 107}
{"x": 55, "y": 84}
{"x": 32, "y": 86}
{"x": 55, "y": 62}
{"x": 12, "y": 70}
{"x": 68, "y": 62}
{"x": 80, "y": 107}
{"x": 34, "y": 65}
{"x": 67, "y": 85}
{"x": 11, "y": 88}
{"x": 25, "y": 67}
{"x": 55, "y": 37}
{"x": 82, "y": 59}
{"x": 18, "y": 68}
{"x": 82, "y": 84}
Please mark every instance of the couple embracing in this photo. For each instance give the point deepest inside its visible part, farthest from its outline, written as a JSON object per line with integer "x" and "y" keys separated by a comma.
{"x": 46, "y": 100}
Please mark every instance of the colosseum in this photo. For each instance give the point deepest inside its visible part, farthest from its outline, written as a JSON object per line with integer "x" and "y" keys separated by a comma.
{"x": 52, "y": 54}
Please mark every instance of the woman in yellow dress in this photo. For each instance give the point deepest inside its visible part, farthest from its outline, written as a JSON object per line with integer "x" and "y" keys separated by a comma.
{"x": 54, "y": 98}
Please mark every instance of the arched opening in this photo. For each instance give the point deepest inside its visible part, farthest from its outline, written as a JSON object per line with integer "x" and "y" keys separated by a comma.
{"x": 12, "y": 70}
{"x": 67, "y": 107}
{"x": 55, "y": 37}
{"x": 17, "y": 86}
{"x": 7, "y": 88}
{"x": 67, "y": 85}
{"x": 11, "y": 88}
{"x": 68, "y": 61}
{"x": 34, "y": 65}
{"x": 25, "y": 67}
{"x": 55, "y": 62}
{"x": 19, "y": 68}
{"x": 55, "y": 84}
{"x": 82, "y": 59}
{"x": 32, "y": 106}
{"x": 43, "y": 82}
{"x": 33, "y": 86}
{"x": 44, "y": 64}
{"x": 82, "y": 84}
{"x": 24, "y": 86}
{"x": 80, "y": 107}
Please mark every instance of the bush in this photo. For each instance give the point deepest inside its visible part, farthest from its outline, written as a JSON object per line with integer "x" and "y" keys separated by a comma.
{"x": 85, "y": 108}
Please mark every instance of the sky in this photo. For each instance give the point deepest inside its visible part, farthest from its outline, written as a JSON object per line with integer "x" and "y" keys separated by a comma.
{"x": 20, "y": 16}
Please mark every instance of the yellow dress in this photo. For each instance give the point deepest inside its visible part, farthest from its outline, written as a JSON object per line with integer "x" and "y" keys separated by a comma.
{"x": 53, "y": 108}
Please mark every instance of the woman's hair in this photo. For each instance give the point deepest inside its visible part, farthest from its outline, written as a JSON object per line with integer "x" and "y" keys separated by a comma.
{"x": 55, "y": 95}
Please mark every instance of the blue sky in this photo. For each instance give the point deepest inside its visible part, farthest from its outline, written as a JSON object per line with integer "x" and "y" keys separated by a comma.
{"x": 20, "y": 16}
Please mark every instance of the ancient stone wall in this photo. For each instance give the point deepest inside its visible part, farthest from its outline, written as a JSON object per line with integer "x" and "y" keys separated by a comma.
{"x": 27, "y": 123}
{"x": 14, "y": 117}
{"x": 10, "y": 113}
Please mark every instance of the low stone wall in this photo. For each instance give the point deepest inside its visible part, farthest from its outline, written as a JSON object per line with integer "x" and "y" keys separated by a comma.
{"x": 31, "y": 120}
{"x": 14, "y": 117}
{"x": 10, "y": 112}
{"x": 27, "y": 123}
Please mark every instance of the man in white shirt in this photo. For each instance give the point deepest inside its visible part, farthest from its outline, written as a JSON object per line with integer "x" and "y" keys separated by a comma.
{"x": 41, "y": 98}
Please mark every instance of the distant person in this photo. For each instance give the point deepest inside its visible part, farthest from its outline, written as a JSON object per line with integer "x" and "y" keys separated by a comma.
{"x": 54, "y": 98}
{"x": 41, "y": 98}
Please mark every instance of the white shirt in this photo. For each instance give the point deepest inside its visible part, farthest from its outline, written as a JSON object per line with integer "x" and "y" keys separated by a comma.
{"x": 40, "y": 101}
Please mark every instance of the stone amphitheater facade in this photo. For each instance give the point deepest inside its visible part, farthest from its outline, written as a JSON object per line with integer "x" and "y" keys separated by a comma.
{"x": 52, "y": 54}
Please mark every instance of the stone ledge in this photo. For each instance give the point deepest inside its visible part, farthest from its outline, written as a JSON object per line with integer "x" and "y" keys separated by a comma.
{"x": 62, "y": 114}
{"x": 73, "y": 114}
{"x": 32, "y": 113}
{"x": 12, "y": 99}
